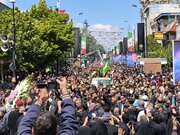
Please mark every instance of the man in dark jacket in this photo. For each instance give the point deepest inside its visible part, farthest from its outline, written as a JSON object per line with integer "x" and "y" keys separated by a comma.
{"x": 36, "y": 122}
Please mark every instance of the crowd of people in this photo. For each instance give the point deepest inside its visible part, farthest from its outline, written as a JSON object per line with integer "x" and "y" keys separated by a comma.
{"x": 134, "y": 103}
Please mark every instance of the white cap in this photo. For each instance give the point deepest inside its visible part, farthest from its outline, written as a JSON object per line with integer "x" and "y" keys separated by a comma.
{"x": 144, "y": 97}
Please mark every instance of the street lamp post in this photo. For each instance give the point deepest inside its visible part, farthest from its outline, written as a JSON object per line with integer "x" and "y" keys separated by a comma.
{"x": 13, "y": 64}
{"x": 146, "y": 42}
{"x": 134, "y": 33}
{"x": 79, "y": 14}
{"x": 127, "y": 29}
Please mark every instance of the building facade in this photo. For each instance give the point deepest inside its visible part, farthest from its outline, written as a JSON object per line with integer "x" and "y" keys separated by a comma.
{"x": 3, "y": 7}
{"x": 161, "y": 16}
{"x": 151, "y": 9}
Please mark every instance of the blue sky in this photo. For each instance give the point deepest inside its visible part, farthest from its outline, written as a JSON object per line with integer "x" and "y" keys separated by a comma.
{"x": 107, "y": 12}
{"x": 103, "y": 15}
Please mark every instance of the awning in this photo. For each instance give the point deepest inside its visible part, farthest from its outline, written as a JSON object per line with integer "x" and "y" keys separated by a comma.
{"x": 170, "y": 27}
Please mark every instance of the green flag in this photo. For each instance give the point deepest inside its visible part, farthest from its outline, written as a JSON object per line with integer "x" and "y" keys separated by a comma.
{"x": 106, "y": 68}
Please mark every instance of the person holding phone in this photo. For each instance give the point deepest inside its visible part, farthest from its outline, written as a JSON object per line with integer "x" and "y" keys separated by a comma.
{"x": 36, "y": 122}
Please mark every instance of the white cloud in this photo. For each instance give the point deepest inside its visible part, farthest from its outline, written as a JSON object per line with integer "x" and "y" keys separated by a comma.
{"x": 102, "y": 27}
{"x": 4, "y": 1}
{"x": 99, "y": 27}
{"x": 80, "y": 25}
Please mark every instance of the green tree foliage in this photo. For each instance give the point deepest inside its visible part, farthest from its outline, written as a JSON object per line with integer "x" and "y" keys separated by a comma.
{"x": 153, "y": 46}
{"x": 166, "y": 52}
{"x": 157, "y": 50}
{"x": 42, "y": 36}
{"x": 6, "y": 28}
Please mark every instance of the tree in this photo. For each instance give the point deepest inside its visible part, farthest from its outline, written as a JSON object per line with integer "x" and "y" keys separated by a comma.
{"x": 157, "y": 48}
{"x": 153, "y": 46}
{"x": 166, "y": 52}
{"x": 42, "y": 36}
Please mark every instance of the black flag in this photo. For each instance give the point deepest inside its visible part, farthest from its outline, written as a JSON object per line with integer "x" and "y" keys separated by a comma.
{"x": 141, "y": 41}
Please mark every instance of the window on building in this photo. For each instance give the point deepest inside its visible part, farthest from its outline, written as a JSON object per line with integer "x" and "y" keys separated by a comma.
{"x": 178, "y": 18}
{"x": 171, "y": 19}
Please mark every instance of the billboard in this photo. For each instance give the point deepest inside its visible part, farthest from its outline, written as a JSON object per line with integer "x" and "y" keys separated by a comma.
{"x": 131, "y": 59}
{"x": 83, "y": 44}
{"x": 158, "y": 35}
{"x": 176, "y": 61}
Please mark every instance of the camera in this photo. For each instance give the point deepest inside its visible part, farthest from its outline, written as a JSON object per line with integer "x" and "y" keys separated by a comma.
{"x": 50, "y": 84}
{"x": 41, "y": 85}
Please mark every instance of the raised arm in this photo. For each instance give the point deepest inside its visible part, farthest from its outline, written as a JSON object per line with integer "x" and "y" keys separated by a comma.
{"x": 68, "y": 120}
{"x": 27, "y": 123}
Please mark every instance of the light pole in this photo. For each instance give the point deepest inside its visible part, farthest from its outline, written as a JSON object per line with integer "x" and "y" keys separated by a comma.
{"x": 75, "y": 49}
{"x": 146, "y": 42}
{"x": 135, "y": 6}
{"x": 83, "y": 38}
{"x": 128, "y": 28}
{"x": 134, "y": 33}
{"x": 79, "y": 14}
{"x": 13, "y": 64}
{"x": 85, "y": 29}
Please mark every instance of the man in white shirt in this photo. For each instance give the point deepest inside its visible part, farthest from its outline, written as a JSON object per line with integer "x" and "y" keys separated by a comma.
{"x": 146, "y": 112}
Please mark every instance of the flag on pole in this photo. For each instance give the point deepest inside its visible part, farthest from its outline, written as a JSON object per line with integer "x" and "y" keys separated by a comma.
{"x": 106, "y": 68}
{"x": 83, "y": 44}
{"x": 130, "y": 42}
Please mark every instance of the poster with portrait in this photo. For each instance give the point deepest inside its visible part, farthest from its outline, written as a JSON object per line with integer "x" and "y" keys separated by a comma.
{"x": 131, "y": 58}
{"x": 116, "y": 59}
{"x": 123, "y": 59}
{"x": 176, "y": 61}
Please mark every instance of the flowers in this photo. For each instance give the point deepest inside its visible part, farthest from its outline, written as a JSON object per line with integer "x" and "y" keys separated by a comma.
{"x": 22, "y": 90}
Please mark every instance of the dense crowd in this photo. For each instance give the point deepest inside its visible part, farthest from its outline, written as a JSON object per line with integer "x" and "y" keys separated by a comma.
{"x": 135, "y": 103}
